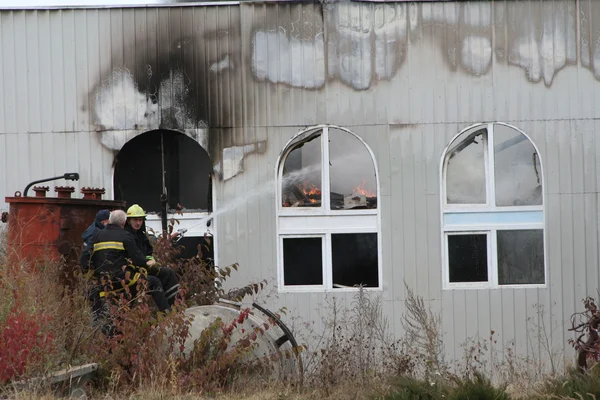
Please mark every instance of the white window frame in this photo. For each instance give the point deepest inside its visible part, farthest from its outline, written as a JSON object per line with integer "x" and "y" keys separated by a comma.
{"x": 517, "y": 219}
{"x": 305, "y": 222}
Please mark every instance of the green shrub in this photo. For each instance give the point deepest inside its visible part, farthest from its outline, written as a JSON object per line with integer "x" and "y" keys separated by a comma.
{"x": 574, "y": 384}
{"x": 477, "y": 388}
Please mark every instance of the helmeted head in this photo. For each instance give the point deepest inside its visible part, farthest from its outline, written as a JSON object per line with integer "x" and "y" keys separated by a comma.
{"x": 136, "y": 216}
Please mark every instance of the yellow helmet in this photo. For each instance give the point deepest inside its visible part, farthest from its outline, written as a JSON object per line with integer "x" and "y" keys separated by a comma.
{"x": 135, "y": 211}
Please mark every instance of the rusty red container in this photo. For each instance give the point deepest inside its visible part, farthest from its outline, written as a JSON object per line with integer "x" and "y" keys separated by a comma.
{"x": 50, "y": 228}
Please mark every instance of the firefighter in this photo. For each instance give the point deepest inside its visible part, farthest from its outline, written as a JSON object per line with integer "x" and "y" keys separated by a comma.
{"x": 136, "y": 225}
{"x": 99, "y": 223}
{"x": 107, "y": 257}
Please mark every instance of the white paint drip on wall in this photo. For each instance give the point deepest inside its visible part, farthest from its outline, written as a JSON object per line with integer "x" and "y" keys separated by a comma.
{"x": 279, "y": 58}
{"x": 233, "y": 158}
{"x": 367, "y": 41}
{"x": 476, "y": 54}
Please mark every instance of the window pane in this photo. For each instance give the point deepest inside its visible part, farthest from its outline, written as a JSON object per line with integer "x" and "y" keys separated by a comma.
{"x": 351, "y": 173}
{"x": 465, "y": 171}
{"x": 521, "y": 257}
{"x": 517, "y": 169}
{"x": 301, "y": 182}
{"x": 467, "y": 258}
{"x": 354, "y": 260}
{"x": 302, "y": 261}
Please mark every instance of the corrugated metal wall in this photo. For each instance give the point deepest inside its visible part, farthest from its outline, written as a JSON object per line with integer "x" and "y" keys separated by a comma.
{"x": 76, "y": 84}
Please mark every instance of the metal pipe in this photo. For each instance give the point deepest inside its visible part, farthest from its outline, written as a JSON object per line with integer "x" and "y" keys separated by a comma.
{"x": 70, "y": 176}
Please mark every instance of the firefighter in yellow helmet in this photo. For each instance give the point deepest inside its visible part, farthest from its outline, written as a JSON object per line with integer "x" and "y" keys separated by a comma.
{"x": 136, "y": 225}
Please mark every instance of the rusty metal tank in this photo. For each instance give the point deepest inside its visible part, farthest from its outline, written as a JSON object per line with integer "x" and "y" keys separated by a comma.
{"x": 42, "y": 228}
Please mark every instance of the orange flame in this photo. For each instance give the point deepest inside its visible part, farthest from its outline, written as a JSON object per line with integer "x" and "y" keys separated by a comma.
{"x": 360, "y": 189}
{"x": 312, "y": 190}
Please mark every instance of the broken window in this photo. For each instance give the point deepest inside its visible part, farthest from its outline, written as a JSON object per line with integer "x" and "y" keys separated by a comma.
{"x": 328, "y": 214}
{"x": 465, "y": 171}
{"x": 351, "y": 173}
{"x": 158, "y": 159}
{"x": 354, "y": 260}
{"x": 301, "y": 181}
{"x": 493, "y": 215}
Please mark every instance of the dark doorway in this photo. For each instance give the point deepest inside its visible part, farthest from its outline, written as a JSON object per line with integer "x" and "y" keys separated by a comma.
{"x": 162, "y": 157}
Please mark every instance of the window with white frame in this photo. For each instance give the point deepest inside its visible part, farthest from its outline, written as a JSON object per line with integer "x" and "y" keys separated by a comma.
{"x": 492, "y": 209}
{"x": 327, "y": 212}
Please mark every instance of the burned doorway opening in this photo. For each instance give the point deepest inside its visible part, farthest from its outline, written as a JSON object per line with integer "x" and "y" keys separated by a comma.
{"x": 164, "y": 161}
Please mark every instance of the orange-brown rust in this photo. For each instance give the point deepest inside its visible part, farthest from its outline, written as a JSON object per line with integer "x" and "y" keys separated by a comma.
{"x": 49, "y": 229}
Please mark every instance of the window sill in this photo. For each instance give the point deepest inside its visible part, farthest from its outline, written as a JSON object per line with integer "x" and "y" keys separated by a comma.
{"x": 311, "y": 289}
{"x": 481, "y": 286}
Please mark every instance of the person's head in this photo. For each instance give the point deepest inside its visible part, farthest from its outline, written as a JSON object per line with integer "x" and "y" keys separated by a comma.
{"x": 136, "y": 216}
{"x": 118, "y": 217}
{"x": 102, "y": 217}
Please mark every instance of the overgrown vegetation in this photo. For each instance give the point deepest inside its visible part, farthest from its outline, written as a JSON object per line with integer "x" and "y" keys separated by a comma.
{"x": 45, "y": 326}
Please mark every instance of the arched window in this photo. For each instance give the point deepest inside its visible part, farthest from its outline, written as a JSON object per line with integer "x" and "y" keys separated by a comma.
{"x": 328, "y": 218}
{"x": 163, "y": 159}
{"x": 492, "y": 209}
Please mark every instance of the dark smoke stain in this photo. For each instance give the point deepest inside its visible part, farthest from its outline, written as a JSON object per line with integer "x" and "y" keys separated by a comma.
{"x": 174, "y": 48}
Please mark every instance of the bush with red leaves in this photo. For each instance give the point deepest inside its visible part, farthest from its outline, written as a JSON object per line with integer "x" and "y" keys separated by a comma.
{"x": 24, "y": 344}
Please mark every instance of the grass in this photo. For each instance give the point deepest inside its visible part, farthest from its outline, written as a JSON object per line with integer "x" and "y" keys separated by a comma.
{"x": 357, "y": 358}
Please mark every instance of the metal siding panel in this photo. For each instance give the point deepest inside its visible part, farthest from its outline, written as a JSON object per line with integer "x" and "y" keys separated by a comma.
{"x": 554, "y": 263}
{"x": 508, "y": 317}
{"x": 552, "y": 161}
{"x": 461, "y": 320}
{"x": 57, "y": 76}
{"x": 396, "y": 216}
{"x": 483, "y": 299}
{"x": 2, "y": 90}
{"x": 21, "y": 66}
{"x": 576, "y": 134}
{"x": 471, "y": 314}
{"x": 579, "y": 266}
{"x": 69, "y": 71}
{"x": 408, "y": 209}
{"x": 450, "y": 318}
{"x": 34, "y": 96}
{"x": 82, "y": 79}
{"x": 433, "y": 266}
{"x": 520, "y": 319}
{"x": 567, "y": 241}
{"x": 9, "y": 73}
{"x": 590, "y": 236}
{"x": 103, "y": 177}
{"x": 496, "y": 318}
{"x": 93, "y": 62}
{"x": 129, "y": 33}
{"x": 11, "y": 159}
{"x": 589, "y": 157}
{"x": 421, "y": 212}
{"x": 105, "y": 54}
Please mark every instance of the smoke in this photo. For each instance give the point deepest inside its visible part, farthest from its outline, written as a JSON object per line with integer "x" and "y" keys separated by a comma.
{"x": 516, "y": 168}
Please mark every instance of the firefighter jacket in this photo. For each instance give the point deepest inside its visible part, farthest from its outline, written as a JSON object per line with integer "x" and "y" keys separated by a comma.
{"x": 110, "y": 250}
{"x": 141, "y": 240}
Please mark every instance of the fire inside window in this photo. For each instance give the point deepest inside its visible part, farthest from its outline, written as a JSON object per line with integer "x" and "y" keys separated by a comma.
{"x": 493, "y": 219}
{"x": 327, "y": 176}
